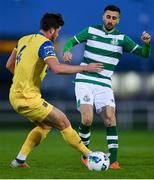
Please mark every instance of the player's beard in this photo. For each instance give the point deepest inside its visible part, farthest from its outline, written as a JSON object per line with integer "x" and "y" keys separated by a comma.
{"x": 52, "y": 39}
{"x": 109, "y": 26}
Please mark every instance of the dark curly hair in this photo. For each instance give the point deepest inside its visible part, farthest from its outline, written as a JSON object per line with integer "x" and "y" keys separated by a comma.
{"x": 50, "y": 20}
{"x": 112, "y": 8}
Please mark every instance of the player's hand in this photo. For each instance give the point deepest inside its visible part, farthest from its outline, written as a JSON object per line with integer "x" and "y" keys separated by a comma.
{"x": 146, "y": 38}
{"x": 67, "y": 56}
{"x": 94, "y": 67}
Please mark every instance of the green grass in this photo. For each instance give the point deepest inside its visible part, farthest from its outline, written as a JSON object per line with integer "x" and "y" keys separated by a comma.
{"x": 53, "y": 159}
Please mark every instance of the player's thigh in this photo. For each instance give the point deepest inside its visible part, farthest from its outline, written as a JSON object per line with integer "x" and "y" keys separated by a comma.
{"x": 57, "y": 119}
{"x": 103, "y": 97}
{"x": 84, "y": 94}
{"x": 108, "y": 112}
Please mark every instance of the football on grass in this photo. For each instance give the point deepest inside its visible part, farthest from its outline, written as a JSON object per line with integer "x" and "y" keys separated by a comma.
{"x": 98, "y": 161}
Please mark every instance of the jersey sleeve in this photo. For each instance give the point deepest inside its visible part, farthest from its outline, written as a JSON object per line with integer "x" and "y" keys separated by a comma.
{"x": 46, "y": 50}
{"x": 82, "y": 36}
{"x": 78, "y": 38}
{"x": 143, "y": 51}
{"x": 132, "y": 47}
{"x": 129, "y": 45}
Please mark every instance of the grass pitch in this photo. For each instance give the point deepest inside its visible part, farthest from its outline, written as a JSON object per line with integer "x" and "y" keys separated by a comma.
{"x": 53, "y": 159}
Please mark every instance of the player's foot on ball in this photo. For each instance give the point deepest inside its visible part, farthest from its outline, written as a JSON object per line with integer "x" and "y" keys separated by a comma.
{"x": 84, "y": 161}
{"x": 115, "y": 165}
{"x": 15, "y": 164}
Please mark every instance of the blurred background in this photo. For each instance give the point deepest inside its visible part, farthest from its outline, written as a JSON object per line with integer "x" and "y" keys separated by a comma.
{"x": 133, "y": 81}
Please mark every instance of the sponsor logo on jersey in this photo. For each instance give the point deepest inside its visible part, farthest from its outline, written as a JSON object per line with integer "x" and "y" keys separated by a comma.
{"x": 94, "y": 37}
{"x": 86, "y": 98}
{"x": 49, "y": 52}
{"x": 50, "y": 47}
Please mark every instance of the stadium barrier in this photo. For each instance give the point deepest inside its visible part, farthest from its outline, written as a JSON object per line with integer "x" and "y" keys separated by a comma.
{"x": 130, "y": 114}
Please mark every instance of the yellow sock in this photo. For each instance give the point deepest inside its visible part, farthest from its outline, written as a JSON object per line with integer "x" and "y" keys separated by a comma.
{"x": 73, "y": 139}
{"x": 35, "y": 137}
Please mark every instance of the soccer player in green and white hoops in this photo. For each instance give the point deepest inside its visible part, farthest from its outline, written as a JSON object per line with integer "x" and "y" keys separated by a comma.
{"x": 104, "y": 44}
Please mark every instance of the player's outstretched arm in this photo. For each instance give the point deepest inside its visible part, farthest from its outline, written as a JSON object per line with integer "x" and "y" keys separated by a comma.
{"x": 67, "y": 55}
{"x": 58, "y": 68}
{"x": 71, "y": 42}
{"x": 144, "y": 50}
{"x": 11, "y": 61}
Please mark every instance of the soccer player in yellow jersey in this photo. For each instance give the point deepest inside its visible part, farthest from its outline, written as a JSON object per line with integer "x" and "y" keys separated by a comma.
{"x": 28, "y": 62}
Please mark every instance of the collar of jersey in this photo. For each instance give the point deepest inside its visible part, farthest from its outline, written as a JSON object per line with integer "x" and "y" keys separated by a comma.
{"x": 40, "y": 33}
{"x": 108, "y": 32}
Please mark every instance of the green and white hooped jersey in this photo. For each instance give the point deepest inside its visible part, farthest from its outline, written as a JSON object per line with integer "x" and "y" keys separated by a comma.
{"x": 102, "y": 47}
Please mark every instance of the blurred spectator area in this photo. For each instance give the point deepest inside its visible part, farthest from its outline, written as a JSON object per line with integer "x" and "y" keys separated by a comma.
{"x": 133, "y": 77}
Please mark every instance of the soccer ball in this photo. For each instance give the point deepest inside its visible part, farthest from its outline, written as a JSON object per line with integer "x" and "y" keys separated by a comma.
{"x": 98, "y": 161}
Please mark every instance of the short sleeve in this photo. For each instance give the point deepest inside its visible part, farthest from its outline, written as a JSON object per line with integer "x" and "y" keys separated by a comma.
{"x": 46, "y": 50}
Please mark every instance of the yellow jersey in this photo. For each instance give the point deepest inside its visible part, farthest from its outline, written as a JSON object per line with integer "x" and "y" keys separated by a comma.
{"x": 30, "y": 66}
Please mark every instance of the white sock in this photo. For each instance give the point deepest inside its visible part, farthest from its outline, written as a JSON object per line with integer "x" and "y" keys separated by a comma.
{"x": 88, "y": 154}
{"x": 21, "y": 157}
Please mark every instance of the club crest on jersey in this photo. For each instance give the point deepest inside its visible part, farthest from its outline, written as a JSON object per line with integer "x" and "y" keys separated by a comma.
{"x": 114, "y": 41}
{"x": 86, "y": 98}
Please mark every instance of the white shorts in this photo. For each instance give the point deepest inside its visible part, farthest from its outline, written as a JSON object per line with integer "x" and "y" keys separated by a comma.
{"x": 95, "y": 95}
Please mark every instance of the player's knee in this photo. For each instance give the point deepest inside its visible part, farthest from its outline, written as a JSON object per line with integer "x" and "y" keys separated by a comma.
{"x": 110, "y": 121}
{"x": 64, "y": 123}
{"x": 87, "y": 121}
{"x": 109, "y": 116}
{"x": 57, "y": 119}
